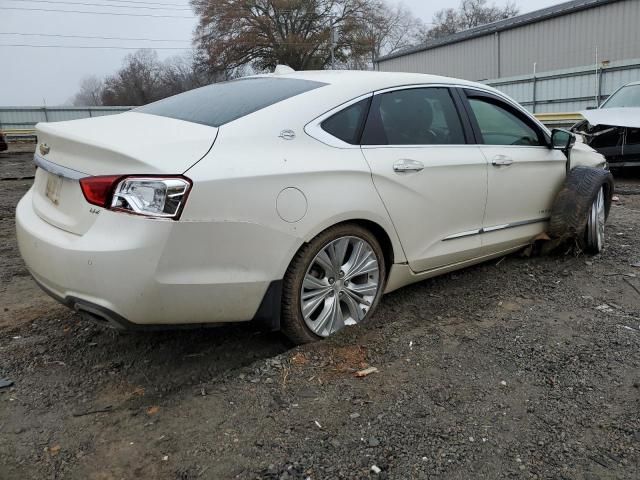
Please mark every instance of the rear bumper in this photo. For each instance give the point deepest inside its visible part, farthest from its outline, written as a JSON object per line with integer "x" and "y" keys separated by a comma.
{"x": 131, "y": 271}
{"x": 267, "y": 316}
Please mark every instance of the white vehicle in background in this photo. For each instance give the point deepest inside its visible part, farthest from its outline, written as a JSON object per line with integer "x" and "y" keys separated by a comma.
{"x": 296, "y": 199}
{"x": 613, "y": 129}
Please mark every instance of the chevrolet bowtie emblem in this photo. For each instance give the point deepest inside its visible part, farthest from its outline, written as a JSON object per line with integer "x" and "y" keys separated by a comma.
{"x": 44, "y": 148}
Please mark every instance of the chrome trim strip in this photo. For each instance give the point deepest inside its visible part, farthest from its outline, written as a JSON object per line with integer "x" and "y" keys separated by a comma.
{"x": 495, "y": 228}
{"x": 56, "y": 169}
{"x": 468, "y": 233}
{"x": 523, "y": 223}
{"x": 413, "y": 86}
{"x": 314, "y": 130}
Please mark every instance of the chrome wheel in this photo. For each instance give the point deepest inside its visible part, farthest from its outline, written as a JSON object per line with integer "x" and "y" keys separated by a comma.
{"x": 340, "y": 285}
{"x": 595, "y": 222}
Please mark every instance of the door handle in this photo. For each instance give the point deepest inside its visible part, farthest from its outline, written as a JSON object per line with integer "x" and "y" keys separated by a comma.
{"x": 501, "y": 161}
{"x": 407, "y": 165}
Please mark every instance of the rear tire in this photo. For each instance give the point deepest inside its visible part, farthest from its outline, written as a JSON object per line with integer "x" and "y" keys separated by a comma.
{"x": 581, "y": 208}
{"x": 335, "y": 280}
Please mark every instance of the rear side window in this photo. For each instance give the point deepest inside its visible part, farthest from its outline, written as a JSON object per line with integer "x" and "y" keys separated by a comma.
{"x": 221, "y": 103}
{"x": 347, "y": 124}
{"x": 419, "y": 116}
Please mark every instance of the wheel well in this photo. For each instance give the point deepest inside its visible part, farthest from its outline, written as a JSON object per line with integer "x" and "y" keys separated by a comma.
{"x": 381, "y": 236}
{"x": 378, "y": 232}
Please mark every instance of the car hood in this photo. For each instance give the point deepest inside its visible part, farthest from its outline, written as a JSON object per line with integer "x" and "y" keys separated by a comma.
{"x": 126, "y": 143}
{"x": 615, "y": 117}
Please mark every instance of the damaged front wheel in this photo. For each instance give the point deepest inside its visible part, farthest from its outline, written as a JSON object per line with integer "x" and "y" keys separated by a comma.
{"x": 593, "y": 239}
{"x": 581, "y": 208}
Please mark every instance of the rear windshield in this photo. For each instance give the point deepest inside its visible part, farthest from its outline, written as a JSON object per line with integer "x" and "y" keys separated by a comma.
{"x": 221, "y": 103}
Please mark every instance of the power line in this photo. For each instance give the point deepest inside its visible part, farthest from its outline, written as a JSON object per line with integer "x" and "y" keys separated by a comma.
{"x": 104, "y": 5}
{"x": 91, "y": 46}
{"x": 134, "y": 1}
{"x": 151, "y": 3}
{"x": 147, "y": 3}
{"x": 295, "y": 44}
{"x": 96, "y": 13}
{"x": 93, "y": 37}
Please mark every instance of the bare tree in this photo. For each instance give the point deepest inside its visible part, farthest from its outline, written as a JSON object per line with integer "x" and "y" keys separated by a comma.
{"x": 136, "y": 83}
{"x": 243, "y": 36}
{"x": 392, "y": 28}
{"x": 90, "y": 93}
{"x": 470, "y": 14}
{"x": 264, "y": 33}
{"x": 181, "y": 73}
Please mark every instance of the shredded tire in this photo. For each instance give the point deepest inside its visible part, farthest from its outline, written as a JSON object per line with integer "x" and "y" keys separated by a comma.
{"x": 570, "y": 210}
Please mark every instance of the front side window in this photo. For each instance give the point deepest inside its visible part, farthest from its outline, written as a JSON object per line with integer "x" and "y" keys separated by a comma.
{"x": 500, "y": 126}
{"x": 347, "y": 124}
{"x": 418, "y": 116}
{"x": 221, "y": 103}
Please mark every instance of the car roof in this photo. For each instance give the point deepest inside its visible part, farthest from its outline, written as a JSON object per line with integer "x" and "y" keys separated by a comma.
{"x": 374, "y": 80}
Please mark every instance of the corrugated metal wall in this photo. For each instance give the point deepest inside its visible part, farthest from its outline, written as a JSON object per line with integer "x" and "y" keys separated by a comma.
{"x": 20, "y": 118}
{"x": 568, "y": 90}
{"x": 475, "y": 59}
{"x": 563, "y": 50}
{"x": 571, "y": 40}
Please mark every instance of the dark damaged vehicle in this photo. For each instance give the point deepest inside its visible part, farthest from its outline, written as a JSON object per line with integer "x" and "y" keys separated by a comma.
{"x": 3, "y": 142}
{"x": 614, "y": 128}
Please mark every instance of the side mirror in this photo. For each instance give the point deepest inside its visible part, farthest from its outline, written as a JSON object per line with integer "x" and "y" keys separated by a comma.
{"x": 562, "y": 140}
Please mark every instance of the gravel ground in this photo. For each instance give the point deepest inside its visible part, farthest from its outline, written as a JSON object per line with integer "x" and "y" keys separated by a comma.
{"x": 518, "y": 368}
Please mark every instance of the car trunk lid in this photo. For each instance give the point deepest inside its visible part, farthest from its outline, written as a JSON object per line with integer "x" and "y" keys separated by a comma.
{"x": 126, "y": 144}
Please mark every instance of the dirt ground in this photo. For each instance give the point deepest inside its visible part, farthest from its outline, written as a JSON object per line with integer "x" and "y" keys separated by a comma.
{"x": 518, "y": 368}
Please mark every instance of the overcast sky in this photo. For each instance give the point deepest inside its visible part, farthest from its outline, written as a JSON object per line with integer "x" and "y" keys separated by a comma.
{"x": 33, "y": 76}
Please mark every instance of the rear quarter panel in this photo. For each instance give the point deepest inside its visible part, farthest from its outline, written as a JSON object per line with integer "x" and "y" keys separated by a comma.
{"x": 240, "y": 179}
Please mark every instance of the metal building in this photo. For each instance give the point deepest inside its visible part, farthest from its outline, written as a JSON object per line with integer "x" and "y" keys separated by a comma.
{"x": 563, "y": 58}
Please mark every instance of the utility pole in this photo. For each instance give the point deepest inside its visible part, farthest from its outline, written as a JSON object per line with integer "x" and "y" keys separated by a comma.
{"x": 333, "y": 38}
{"x": 597, "y": 96}
{"x": 535, "y": 85}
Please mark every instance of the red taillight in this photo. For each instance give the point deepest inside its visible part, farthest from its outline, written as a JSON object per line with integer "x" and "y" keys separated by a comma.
{"x": 153, "y": 196}
{"x": 98, "y": 190}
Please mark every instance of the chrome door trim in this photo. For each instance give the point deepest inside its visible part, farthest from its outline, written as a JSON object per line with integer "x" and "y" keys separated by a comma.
{"x": 522, "y": 223}
{"x": 495, "y": 228}
{"x": 406, "y": 147}
{"x": 416, "y": 86}
{"x": 479, "y": 88}
{"x": 468, "y": 233}
{"x": 56, "y": 169}
{"x": 314, "y": 130}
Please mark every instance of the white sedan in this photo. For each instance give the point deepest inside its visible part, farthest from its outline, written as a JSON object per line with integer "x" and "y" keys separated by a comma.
{"x": 296, "y": 199}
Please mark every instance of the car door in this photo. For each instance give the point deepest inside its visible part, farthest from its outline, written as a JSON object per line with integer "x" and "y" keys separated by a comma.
{"x": 430, "y": 176}
{"x": 524, "y": 172}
